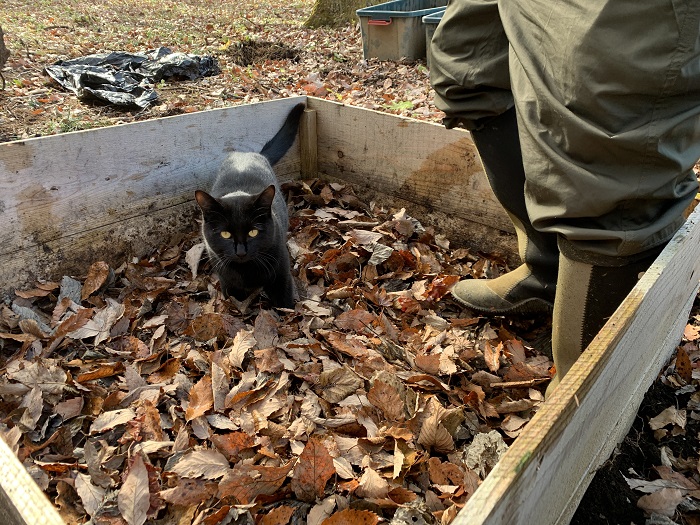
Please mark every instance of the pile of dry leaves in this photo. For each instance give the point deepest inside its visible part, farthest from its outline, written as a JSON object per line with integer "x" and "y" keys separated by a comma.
{"x": 139, "y": 393}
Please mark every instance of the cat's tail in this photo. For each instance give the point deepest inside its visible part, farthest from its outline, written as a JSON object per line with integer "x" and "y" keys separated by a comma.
{"x": 278, "y": 145}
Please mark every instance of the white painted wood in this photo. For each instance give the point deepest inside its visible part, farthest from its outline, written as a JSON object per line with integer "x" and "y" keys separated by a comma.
{"x": 21, "y": 500}
{"x": 543, "y": 476}
{"x": 65, "y": 198}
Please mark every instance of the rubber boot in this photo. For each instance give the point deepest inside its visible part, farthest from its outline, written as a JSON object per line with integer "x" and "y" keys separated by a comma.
{"x": 587, "y": 295}
{"x": 530, "y": 288}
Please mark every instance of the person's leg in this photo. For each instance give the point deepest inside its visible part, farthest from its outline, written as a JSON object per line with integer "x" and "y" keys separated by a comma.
{"x": 529, "y": 288}
{"x": 469, "y": 72}
{"x": 608, "y": 98}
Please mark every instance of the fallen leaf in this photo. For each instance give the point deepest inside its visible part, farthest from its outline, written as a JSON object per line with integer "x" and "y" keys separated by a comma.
{"x": 134, "y": 497}
{"x": 337, "y": 384}
{"x": 352, "y": 517}
{"x": 91, "y": 495}
{"x": 189, "y": 492}
{"x": 372, "y": 485}
{"x": 97, "y": 276}
{"x": 669, "y": 416}
{"x": 663, "y": 502}
{"x": 278, "y": 516}
{"x": 684, "y": 368}
{"x": 247, "y": 482}
{"x": 244, "y": 341}
{"x": 109, "y": 420}
{"x": 202, "y": 463}
{"x": 201, "y": 399}
{"x": 386, "y": 399}
{"x": 312, "y": 471}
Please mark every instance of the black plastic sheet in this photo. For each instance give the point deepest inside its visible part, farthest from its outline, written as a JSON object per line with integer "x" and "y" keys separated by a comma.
{"x": 126, "y": 79}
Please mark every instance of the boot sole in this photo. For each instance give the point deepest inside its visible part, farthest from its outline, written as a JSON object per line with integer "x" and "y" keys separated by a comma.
{"x": 528, "y": 306}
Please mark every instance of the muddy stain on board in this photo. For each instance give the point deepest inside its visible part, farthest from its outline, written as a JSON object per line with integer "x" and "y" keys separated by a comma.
{"x": 454, "y": 169}
{"x": 35, "y": 214}
{"x": 16, "y": 156}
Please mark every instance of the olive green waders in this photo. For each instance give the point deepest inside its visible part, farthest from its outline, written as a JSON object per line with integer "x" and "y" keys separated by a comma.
{"x": 529, "y": 288}
{"x": 607, "y": 97}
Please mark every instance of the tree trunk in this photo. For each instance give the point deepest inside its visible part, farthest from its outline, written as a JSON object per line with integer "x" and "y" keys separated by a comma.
{"x": 4, "y": 55}
{"x": 334, "y": 13}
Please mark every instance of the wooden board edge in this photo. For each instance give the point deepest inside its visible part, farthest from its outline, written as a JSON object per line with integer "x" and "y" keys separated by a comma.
{"x": 64, "y": 184}
{"x": 113, "y": 244}
{"x": 620, "y": 430}
{"x": 21, "y": 500}
{"x": 414, "y": 160}
{"x": 555, "y": 446}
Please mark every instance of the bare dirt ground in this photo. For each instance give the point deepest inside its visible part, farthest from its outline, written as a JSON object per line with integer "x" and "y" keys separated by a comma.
{"x": 262, "y": 49}
{"x": 264, "y": 52}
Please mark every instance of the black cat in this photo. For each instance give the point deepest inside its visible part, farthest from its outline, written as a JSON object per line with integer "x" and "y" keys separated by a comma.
{"x": 245, "y": 222}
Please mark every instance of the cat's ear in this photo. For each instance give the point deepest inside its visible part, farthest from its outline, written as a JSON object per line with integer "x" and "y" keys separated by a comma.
{"x": 206, "y": 202}
{"x": 266, "y": 197}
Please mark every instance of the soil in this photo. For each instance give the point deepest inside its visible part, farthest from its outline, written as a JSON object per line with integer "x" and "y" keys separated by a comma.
{"x": 609, "y": 498}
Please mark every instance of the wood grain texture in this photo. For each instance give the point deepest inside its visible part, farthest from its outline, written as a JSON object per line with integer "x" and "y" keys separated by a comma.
{"x": 416, "y": 161}
{"x": 21, "y": 500}
{"x": 62, "y": 197}
{"x": 308, "y": 144}
{"x": 543, "y": 476}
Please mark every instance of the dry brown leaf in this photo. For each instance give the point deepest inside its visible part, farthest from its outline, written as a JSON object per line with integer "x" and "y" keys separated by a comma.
{"x": 134, "y": 497}
{"x": 429, "y": 363}
{"x": 201, "y": 399}
{"x": 247, "y": 482}
{"x": 166, "y": 371}
{"x": 352, "y": 517}
{"x": 372, "y": 485}
{"x": 492, "y": 355}
{"x": 102, "y": 371}
{"x": 356, "y": 320}
{"x": 691, "y": 333}
{"x": 232, "y": 444}
{"x": 433, "y": 435}
{"x": 347, "y": 344}
{"x": 91, "y": 495}
{"x": 312, "y": 471}
{"x": 70, "y": 408}
{"x": 663, "y": 502}
{"x": 97, "y": 276}
{"x": 278, "y": 516}
{"x": 189, "y": 492}
{"x": 669, "y": 416}
{"x": 684, "y": 367}
{"x": 202, "y": 463}
{"x": 109, "y": 420}
{"x": 337, "y": 384}
{"x": 265, "y": 329}
{"x": 193, "y": 256}
{"x": 387, "y": 399}
{"x": 213, "y": 326}
{"x": 244, "y": 341}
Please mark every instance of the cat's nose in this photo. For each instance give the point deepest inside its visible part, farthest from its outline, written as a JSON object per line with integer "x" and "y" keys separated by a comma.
{"x": 241, "y": 251}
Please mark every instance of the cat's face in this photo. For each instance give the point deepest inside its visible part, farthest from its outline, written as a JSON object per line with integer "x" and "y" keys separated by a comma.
{"x": 237, "y": 227}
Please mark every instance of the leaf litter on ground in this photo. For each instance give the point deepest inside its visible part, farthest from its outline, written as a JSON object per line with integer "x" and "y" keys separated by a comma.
{"x": 139, "y": 394}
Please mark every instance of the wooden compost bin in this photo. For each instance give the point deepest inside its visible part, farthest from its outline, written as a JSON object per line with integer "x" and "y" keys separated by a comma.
{"x": 107, "y": 194}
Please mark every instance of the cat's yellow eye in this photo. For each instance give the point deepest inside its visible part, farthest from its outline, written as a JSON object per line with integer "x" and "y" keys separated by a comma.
{"x": 253, "y": 232}
{"x": 226, "y": 235}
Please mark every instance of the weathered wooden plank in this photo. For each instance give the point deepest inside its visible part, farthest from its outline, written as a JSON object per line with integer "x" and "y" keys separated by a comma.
{"x": 308, "y": 144}
{"x": 415, "y": 162}
{"x": 21, "y": 500}
{"x": 543, "y": 476}
{"x": 61, "y": 197}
